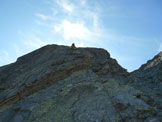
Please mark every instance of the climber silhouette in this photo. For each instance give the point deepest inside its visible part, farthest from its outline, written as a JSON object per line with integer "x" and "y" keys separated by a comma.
{"x": 73, "y": 46}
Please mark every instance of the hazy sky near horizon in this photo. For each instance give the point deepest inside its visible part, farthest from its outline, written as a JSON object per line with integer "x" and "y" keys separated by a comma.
{"x": 130, "y": 30}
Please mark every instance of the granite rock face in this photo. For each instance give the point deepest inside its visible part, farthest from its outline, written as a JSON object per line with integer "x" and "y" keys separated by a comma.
{"x": 148, "y": 79}
{"x": 59, "y": 84}
{"x": 149, "y": 76}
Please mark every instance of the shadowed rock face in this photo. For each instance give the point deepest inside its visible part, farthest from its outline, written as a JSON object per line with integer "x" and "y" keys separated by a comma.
{"x": 148, "y": 77}
{"x": 59, "y": 84}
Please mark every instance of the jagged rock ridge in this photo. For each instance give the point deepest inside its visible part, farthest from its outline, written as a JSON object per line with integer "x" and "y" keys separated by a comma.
{"x": 58, "y": 84}
{"x": 149, "y": 76}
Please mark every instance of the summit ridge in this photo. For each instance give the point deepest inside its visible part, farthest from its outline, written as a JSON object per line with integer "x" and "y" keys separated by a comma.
{"x": 59, "y": 84}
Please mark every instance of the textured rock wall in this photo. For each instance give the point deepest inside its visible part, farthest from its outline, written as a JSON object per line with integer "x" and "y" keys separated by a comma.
{"x": 58, "y": 84}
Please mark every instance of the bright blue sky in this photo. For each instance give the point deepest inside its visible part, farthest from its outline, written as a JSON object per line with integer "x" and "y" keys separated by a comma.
{"x": 131, "y": 30}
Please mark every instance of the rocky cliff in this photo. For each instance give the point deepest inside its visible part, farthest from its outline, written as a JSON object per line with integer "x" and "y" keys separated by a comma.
{"x": 59, "y": 84}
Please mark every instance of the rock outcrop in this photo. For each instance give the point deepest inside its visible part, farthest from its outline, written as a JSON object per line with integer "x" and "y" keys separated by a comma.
{"x": 149, "y": 76}
{"x": 148, "y": 79}
{"x": 59, "y": 84}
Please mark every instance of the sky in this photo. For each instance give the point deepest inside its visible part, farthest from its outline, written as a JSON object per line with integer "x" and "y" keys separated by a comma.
{"x": 130, "y": 30}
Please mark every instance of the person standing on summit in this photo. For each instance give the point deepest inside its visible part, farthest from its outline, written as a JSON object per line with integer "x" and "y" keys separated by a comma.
{"x": 73, "y": 46}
